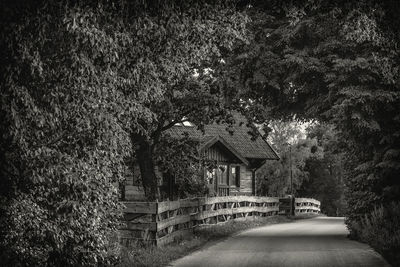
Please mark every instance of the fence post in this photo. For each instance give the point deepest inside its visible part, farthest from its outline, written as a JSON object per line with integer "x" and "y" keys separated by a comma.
{"x": 155, "y": 219}
{"x": 292, "y": 205}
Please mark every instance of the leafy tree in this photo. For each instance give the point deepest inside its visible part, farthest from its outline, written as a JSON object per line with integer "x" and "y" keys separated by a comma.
{"x": 294, "y": 151}
{"x": 283, "y": 133}
{"x": 337, "y": 62}
{"x": 181, "y": 163}
{"x": 171, "y": 41}
{"x": 316, "y": 157}
{"x": 326, "y": 178}
{"x": 84, "y": 86}
{"x": 62, "y": 147}
{"x": 190, "y": 36}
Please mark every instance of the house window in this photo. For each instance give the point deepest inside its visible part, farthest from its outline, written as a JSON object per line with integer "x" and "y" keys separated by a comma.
{"x": 235, "y": 175}
{"x": 223, "y": 174}
{"x": 211, "y": 176}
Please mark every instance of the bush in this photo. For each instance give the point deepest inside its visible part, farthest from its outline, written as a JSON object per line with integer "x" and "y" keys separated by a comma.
{"x": 381, "y": 230}
{"x": 61, "y": 145}
{"x": 66, "y": 220}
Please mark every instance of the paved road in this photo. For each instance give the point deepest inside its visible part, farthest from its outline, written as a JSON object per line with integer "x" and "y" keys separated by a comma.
{"x": 319, "y": 241}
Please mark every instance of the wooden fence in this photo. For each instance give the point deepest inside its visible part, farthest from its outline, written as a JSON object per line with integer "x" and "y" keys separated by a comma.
{"x": 306, "y": 205}
{"x": 297, "y": 206}
{"x": 286, "y": 206}
{"x": 159, "y": 223}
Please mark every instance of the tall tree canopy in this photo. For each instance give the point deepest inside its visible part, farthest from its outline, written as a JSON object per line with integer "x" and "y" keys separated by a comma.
{"x": 311, "y": 162}
{"x": 287, "y": 175}
{"x": 325, "y": 174}
{"x": 338, "y": 62}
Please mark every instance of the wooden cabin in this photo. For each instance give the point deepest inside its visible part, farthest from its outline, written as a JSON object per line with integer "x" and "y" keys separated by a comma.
{"x": 236, "y": 155}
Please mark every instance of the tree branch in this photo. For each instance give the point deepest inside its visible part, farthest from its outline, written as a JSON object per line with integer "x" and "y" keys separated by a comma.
{"x": 169, "y": 125}
{"x": 53, "y": 141}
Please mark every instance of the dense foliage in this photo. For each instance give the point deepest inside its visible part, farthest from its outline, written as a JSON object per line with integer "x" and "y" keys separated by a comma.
{"x": 309, "y": 156}
{"x": 84, "y": 86}
{"x": 182, "y": 166}
{"x": 326, "y": 174}
{"x": 62, "y": 148}
{"x": 380, "y": 228}
{"x": 294, "y": 149}
{"x": 338, "y": 62}
{"x": 173, "y": 47}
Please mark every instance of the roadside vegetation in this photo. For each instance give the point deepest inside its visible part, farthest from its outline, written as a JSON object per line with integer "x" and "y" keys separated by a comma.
{"x": 381, "y": 231}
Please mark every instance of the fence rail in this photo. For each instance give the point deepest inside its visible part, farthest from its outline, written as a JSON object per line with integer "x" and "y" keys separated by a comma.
{"x": 159, "y": 223}
{"x": 307, "y": 205}
{"x": 297, "y": 206}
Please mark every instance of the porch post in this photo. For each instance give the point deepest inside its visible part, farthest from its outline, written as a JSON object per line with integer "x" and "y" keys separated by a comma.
{"x": 253, "y": 182}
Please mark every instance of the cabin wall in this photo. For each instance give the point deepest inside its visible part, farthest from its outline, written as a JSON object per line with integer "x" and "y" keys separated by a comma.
{"x": 133, "y": 183}
{"x": 134, "y": 189}
{"x": 221, "y": 156}
{"x": 215, "y": 153}
{"x": 246, "y": 182}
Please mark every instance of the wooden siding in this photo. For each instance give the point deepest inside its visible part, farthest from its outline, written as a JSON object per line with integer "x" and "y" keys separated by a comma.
{"x": 220, "y": 155}
{"x": 134, "y": 193}
{"x": 134, "y": 190}
{"x": 244, "y": 189}
{"x": 133, "y": 183}
{"x": 215, "y": 153}
{"x": 246, "y": 180}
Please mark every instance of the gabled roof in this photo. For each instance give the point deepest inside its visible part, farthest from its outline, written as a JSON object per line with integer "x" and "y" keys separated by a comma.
{"x": 240, "y": 140}
{"x": 215, "y": 139}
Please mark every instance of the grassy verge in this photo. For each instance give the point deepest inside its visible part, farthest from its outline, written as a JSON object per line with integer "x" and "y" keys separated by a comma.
{"x": 153, "y": 256}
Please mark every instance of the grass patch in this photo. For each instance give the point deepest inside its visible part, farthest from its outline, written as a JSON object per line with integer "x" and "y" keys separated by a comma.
{"x": 161, "y": 256}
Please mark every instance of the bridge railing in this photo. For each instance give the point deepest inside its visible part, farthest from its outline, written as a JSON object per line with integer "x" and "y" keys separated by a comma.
{"x": 297, "y": 206}
{"x": 307, "y": 205}
{"x": 159, "y": 223}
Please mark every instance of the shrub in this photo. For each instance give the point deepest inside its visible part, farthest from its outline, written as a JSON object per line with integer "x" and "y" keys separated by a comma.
{"x": 381, "y": 230}
{"x": 63, "y": 220}
{"x": 61, "y": 145}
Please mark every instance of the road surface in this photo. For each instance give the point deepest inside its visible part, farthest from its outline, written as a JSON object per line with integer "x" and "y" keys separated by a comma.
{"x": 319, "y": 241}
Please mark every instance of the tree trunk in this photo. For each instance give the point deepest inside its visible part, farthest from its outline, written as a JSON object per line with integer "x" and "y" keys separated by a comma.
{"x": 144, "y": 156}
